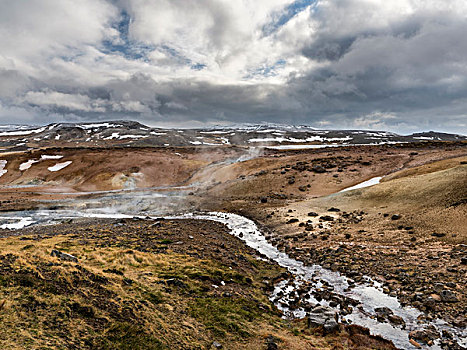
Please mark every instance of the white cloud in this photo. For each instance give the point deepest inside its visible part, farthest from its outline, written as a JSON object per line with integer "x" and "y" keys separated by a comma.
{"x": 55, "y": 99}
{"x": 331, "y": 62}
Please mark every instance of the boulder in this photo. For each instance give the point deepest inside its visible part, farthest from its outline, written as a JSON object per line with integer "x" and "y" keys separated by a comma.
{"x": 324, "y": 317}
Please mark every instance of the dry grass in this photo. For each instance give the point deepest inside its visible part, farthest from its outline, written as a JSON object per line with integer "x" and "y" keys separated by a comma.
{"x": 117, "y": 297}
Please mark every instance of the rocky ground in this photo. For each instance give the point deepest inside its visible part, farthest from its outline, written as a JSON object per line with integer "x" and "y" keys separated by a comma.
{"x": 147, "y": 284}
{"x": 409, "y": 233}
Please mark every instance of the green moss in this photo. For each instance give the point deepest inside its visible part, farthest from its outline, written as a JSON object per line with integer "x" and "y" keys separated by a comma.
{"x": 225, "y": 315}
{"x": 127, "y": 336}
{"x": 166, "y": 241}
{"x": 155, "y": 297}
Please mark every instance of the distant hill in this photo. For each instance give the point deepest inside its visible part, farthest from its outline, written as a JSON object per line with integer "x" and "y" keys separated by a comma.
{"x": 20, "y": 137}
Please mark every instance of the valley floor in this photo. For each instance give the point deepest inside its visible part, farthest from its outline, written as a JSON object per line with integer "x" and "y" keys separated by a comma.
{"x": 145, "y": 283}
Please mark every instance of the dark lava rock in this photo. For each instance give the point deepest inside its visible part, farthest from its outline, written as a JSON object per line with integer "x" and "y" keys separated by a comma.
{"x": 395, "y": 217}
{"x": 318, "y": 169}
{"x": 293, "y": 220}
{"x": 291, "y": 181}
{"x": 312, "y": 213}
{"x": 264, "y": 199}
{"x": 302, "y": 188}
{"x": 334, "y": 209}
{"x": 326, "y": 218}
{"x": 438, "y": 234}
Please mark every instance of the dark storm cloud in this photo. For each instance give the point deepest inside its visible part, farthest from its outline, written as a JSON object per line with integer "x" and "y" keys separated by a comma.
{"x": 399, "y": 65}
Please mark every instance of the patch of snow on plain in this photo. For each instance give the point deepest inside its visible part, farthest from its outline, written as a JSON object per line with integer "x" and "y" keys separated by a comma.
{"x": 57, "y": 137}
{"x": 24, "y": 132}
{"x": 92, "y": 126}
{"x": 59, "y": 166}
{"x": 196, "y": 143}
{"x": 347, "y": 138}
{"x": 368, "y": 183}
{"x": 225, "y": 141}
{"x": 424, "y": 138}
{"x": 47, "y": 156}
{"x": 214, "y": 132}
{"x": 269, "y": 139}
{"x": 292, "y": 147}
{"x": 132, "y": 137}
{"x": 158, "y": 133}
{"x": 270, "y": 131}
{"x": 27, "y": 165}
{"x": 115, "y": 135}
{"x": 3, "y": 171}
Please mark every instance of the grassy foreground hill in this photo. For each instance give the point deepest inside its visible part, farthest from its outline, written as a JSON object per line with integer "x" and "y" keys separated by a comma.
{"x": 146, "y": 284}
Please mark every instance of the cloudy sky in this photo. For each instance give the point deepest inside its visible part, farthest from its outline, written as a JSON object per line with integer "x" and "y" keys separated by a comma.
{"x": 399, "y": 65}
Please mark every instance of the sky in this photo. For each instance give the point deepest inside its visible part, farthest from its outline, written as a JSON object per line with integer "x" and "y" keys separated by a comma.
{"x": 398, "y": 65}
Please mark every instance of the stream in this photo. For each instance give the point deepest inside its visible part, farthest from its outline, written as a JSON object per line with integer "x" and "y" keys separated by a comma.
{"x": 366, "y": 296}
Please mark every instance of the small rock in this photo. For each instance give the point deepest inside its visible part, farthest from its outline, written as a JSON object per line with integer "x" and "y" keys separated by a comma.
{"x": 64, "y": 256}
{"x": 318, "y": 169}
{"x": 264, "y": 199}
{"x": 395, "y": 217}
{"x": 414, "y": 343}
{"x": 425, "y": 336}
{"x": 312, "y": 213}
{"x": 438, "y": 234}
{"x": 397, "y": 320}
{"x": 448, "y": 296}
{"x": 217, "y": 345}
